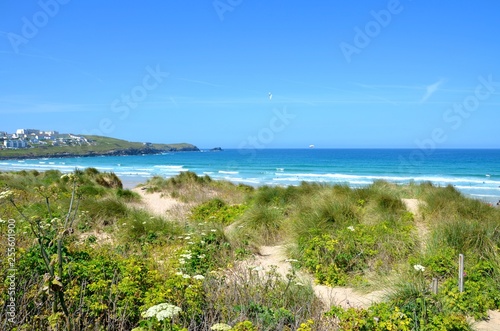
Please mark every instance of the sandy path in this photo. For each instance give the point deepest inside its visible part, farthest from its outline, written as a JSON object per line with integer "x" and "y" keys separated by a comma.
{"x": 413, "y": 206}
{"x": 156, "y": 203}
{"x": 492, "y": 325}
{"x": 274, "y": 256}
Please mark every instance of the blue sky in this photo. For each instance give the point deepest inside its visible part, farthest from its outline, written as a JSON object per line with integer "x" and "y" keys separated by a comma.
{"x": 411, "y": 74}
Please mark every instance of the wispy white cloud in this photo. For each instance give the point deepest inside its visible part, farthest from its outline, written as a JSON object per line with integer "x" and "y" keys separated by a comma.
{"x": 416, "y": 87}
{"x": 431, "y": 89}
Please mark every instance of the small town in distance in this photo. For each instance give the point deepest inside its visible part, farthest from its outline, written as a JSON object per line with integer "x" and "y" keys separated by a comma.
{"x": 28, "y": 138}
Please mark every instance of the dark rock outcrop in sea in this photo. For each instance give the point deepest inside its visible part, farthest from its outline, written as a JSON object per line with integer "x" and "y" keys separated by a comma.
{"x": 114, "y": 152}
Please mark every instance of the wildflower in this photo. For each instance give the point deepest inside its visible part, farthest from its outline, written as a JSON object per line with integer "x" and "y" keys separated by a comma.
{"x": 182, "y": 261}
{"x": 291, "y": 260}
{"x": 6, "y": 195}
{"x": 351, "y": 228}
{"x": 144, "y": 222}
{"x": 203, "y": 234}
{"x": 124, "y": 224}
{"x": 198, "y": 277}
{"x": 202, "y": 256}
{"x": 213, "y": 230}
{"x": 186, "y": 276}
{"x": 178, "y": 273}
{"x": 162, "y": 311}
{"x": 187, "y": 237}
{"x": 190, "y": 243}
{"x": 2, "y": 221}
{"x": 299, "y": 284}
{"x": 221, "y": 327}
{"x": 419, "y": 267}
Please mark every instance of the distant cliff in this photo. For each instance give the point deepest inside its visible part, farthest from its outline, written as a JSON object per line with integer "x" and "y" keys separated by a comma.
{"x": 97, "y": 146}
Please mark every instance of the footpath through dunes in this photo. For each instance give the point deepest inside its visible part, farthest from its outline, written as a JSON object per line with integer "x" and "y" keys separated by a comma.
{"x": 157, "y": 203}
{"x": 269, "y": 257}
{"x": 413, "y": 206}
{"x": 274, "y": 257}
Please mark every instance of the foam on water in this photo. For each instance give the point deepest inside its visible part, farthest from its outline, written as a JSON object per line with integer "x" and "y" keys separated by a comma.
{"x": 466, "y": 170}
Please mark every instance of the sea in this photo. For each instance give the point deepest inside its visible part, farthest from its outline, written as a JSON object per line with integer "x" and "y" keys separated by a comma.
{"x": 474, "y": 172}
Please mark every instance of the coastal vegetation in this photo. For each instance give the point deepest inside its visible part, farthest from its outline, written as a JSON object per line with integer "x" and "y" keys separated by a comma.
{"x": 98, "y": 145}
{"x": 88, "y": 258}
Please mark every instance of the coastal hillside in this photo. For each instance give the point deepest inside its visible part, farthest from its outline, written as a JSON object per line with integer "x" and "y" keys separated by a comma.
{"x": 88, "y": 145}
{"x": 192, "y": 253}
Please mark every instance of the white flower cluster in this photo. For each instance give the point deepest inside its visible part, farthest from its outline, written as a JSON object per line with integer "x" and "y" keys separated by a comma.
{"x": 419, "y": 267}
{"x": 162, "y": 311}
{"x": 221, "y": 327}
{"x": 6, "y": 195}
{"x": 184, "y": 257}
{"x": 351, "y": 228}
{"x": 186, "y": 276}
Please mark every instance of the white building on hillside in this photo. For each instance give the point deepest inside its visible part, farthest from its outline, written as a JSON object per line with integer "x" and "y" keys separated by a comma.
{"x": 27, "y": 131}
{"x": 17, "y": 143}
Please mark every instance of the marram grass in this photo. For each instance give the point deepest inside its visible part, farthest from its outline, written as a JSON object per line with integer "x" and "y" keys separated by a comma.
{"x": 117, "y": 262}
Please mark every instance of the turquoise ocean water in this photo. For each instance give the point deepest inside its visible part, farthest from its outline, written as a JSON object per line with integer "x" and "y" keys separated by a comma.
{"x": 474, "y": 172}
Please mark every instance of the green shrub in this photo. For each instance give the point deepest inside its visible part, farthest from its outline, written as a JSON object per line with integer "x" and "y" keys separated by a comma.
{"x": 207, "y": 250}
{"x": 265, "y": 299}
{"x": 265, "y": 224}
{"x": 378, "y": 317}
{"x": 337, "y": 257}
{"x": 127, "y": 195}
{"x": 244, "y": 326}
{"x": 138, "y": 226}
{"x": 217, "y": 211}
{"x": 104, "y": 211}
{"x": 109, "y": 180}
{"x": 481, "y": 291}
